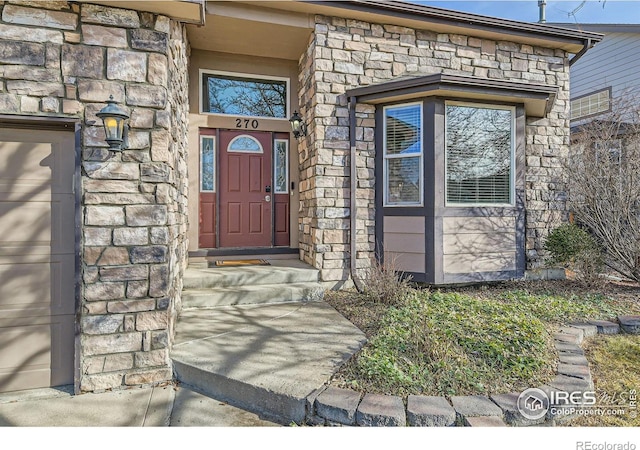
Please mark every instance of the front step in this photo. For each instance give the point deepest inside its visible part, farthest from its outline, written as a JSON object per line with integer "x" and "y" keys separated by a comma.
{"x": 279, "y": 272}
{"x": 251, "y": 294}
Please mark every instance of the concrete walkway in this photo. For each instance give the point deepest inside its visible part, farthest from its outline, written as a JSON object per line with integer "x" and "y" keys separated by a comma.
{"x": 142, "y": 407}
{"x": 264, "y": 358}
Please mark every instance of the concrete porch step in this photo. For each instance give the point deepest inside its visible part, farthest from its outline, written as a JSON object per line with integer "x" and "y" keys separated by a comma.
{"x": 267, "y": 359}
{"x": 251, "y": 294}
{"x": 278, "y": 272}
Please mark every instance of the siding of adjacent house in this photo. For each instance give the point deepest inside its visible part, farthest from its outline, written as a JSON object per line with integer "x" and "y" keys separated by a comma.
{"x": 612, "y": 63}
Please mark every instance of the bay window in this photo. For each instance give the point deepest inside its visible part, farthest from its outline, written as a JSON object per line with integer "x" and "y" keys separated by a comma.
{"x": 403, "y": 155}
{"x": 479, "y": 148}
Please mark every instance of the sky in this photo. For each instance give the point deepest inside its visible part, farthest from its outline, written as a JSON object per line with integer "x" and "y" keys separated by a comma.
{"x": 563, "y": 11}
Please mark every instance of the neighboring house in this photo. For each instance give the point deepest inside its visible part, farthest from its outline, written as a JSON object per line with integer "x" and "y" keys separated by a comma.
{"x": 607, "y": 72}
{"x": 434, "y": 135}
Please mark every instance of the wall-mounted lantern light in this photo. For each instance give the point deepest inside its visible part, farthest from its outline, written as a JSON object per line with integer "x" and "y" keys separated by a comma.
{"x": 116, "y": 129}
{"x": 298, "y": 127}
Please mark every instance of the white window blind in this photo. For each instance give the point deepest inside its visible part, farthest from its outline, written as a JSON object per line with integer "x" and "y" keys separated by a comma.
{"x": 591, "y": 104}
{"x": 479, "y": 154}
{"x": 403, "y": 155}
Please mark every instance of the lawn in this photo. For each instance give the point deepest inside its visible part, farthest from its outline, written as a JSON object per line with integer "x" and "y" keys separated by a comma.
{"x": 472, "y": 340}
{"x": 614, "y": 368}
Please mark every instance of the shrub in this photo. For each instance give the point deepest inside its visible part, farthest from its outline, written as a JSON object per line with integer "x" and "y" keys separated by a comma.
{"x": 384, "y": 283}
{"x": 603, "y": 184}
{"x": 574, "y": 248}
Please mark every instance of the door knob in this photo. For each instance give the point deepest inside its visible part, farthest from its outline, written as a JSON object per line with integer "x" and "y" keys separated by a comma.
{"x": 267, "y": 198}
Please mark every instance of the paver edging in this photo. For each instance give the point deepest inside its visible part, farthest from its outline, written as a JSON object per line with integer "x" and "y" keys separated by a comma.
{"x": 573, "y": 374}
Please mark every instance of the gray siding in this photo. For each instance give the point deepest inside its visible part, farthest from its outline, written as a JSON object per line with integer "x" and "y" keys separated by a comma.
{"x": 613, "y": 62}
{"x": 404, "y": 243}
{"x": 479, "y": 244}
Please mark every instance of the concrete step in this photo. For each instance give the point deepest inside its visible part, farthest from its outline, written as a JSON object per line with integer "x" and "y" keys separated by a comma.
{"x": 279, "y": 272}
{"x": 251, "y": 294}
{"x": 266, "y": 359}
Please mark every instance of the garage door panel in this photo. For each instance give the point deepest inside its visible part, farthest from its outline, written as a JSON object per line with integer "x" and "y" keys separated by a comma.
{"x": 37, "y": 247}
{"x": 37, "y": 227}
{"x": 27, "y": 162}
{"x": 35, "y": 353}
{"x": 27, "y": 284}
{"x": 25, "y": 222}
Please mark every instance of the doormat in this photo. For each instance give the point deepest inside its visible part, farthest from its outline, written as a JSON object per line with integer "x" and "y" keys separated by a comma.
{"x": 242, "y": 262}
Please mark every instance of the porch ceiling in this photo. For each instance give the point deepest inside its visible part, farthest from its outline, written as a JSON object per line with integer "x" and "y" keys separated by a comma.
{"x": 254, "y": 31}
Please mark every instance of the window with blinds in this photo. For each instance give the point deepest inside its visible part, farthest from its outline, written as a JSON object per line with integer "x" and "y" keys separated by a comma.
{"x": 403, "y": 155}
{"x": 479, "y": 154}
{"x": 589, "y": 105}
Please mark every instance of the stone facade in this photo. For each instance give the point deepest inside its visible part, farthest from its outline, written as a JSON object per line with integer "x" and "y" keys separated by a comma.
{"x": 65, "y": 59}
{"x": 345, "y": 54}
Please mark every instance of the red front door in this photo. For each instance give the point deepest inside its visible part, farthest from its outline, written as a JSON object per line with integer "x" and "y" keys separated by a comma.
{"x": 245, "y": 189}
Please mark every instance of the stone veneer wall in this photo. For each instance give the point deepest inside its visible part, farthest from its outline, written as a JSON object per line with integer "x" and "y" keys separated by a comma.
{"x": 345, "y": 54}
{"x": 64, "y": 59}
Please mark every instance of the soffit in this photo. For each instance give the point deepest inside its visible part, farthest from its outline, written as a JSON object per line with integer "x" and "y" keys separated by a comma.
{"x": 252, "y": 30}
{"x": 537, "y": 99}
{"x": 188, "y": 11}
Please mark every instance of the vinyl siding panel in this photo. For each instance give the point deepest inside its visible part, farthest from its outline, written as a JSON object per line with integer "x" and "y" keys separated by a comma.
{"x": 404, "y": 243}
{"x": 478, "y": 244}
{"x": 613, "y": 62}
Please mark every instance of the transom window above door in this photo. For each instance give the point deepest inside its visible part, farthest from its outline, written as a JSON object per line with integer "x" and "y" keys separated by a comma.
{"x": 244, "y": 95}
{"x": 245, "y": 144}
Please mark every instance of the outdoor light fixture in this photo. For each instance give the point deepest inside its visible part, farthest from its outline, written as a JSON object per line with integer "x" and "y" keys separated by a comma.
{"x": 298, "y": 126}
{"x": 116, "y": 130}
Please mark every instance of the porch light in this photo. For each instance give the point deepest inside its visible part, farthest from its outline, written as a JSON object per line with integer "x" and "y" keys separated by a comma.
{"x": 298, "y": 127}
{"x": 115, "y": 127}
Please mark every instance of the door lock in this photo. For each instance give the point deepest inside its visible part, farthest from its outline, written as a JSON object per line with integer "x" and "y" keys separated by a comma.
{"x": 267, "y": 189}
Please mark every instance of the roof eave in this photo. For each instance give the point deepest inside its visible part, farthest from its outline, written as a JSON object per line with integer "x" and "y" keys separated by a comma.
{"x": 569, "y": 39}
{"x": 537, "y": 98}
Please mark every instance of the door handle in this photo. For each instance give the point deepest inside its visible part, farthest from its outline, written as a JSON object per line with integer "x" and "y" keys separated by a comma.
{"x": 267, "y": 198}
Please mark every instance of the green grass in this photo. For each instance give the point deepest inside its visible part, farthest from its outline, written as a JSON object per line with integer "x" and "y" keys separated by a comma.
{"x": 614, "y": 368}
{"x": 463, "y": 342}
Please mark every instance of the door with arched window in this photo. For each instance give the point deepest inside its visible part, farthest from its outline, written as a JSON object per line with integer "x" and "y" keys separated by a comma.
{"x": 245, "y": 189}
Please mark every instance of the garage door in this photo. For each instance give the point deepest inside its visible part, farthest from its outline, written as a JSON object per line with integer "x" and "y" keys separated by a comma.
{"x": 36, "y": 258}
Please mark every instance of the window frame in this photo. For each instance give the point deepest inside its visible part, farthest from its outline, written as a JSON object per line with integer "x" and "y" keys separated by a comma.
{"x": 213, "y": 175}
{"x": 241, "y": 136}
{"x": 248, "y": 76}
{"x": 386, "y": 157}
{"x": 609, "y": 92}
{"x": 286, "y": 162}
{"x": 512, "y": 166}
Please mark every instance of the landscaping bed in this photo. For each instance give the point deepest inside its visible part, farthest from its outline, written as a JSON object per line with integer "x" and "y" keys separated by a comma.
{"x": 472, "y": 340}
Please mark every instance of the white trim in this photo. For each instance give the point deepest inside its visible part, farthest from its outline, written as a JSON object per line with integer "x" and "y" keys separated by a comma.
{"x": 240, "y": 136}
{"x": 385, "y": 158}
{"x": 287, "y": 80}
{"x": 213, "y": 138}
{"x": 512, "y": 174}
{"x": 275, "y": 152}
{"x": 593, "y": 105}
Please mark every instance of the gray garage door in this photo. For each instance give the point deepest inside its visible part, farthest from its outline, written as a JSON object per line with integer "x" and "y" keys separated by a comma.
{"x": 36, "y": 258}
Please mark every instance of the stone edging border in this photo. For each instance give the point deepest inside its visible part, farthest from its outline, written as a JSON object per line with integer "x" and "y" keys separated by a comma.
{"x": 331, "y": 406}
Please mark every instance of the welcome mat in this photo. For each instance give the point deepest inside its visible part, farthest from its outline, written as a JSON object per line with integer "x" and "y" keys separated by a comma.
{"x": 242, "y": 262}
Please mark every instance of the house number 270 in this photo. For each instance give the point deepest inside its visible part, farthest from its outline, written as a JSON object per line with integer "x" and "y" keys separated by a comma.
{"x": 247, "y": 123}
